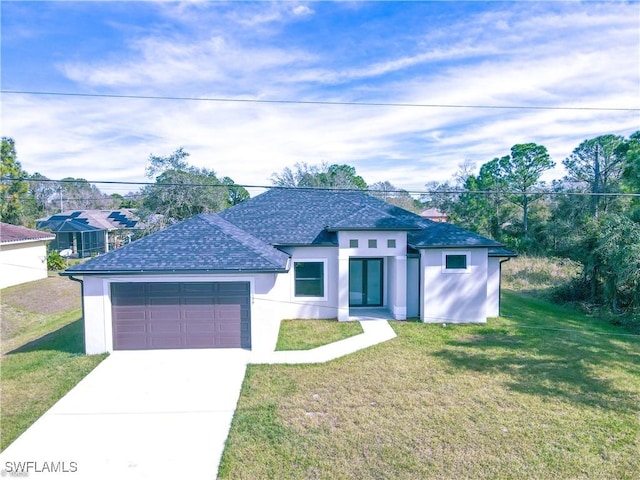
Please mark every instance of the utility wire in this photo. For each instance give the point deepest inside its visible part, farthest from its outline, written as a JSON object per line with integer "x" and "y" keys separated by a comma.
{"x": 318, "y": 102}
{"x": 334, "y": 189}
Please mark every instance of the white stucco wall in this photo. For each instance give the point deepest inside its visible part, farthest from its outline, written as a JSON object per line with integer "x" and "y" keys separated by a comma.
{"x": 395, "y": 268}
{"x": 493, "y": 287}
{"x": 453, "y": 297}
{"x": 22, "y": 262}
{"x": 413, "y": 287}
{"x": 284, "y": 296}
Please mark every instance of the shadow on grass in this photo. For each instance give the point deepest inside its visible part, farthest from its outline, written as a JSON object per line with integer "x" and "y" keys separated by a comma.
{"x": 554, "y": 356}
{"x": 68, "y": 339}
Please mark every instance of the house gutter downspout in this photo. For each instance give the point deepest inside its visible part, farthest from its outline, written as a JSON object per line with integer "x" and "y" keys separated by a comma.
{"x": 500, "y": 285}
{"x": 81, "y": 282}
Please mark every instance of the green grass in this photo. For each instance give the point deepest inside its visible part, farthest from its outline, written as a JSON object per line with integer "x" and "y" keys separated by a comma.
{"x": 307, "y": 334}
{"x": 42, "y": 347}
{"x": 543, "y": 392}
{"x": 37, "y": 375}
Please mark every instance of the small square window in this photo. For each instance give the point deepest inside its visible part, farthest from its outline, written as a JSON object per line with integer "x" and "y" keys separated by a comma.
{"x": 373, "y": 243}
{"x": 456, "y": 262}
{"x": 353, "y": 243}
{"x": 391, "y": 243}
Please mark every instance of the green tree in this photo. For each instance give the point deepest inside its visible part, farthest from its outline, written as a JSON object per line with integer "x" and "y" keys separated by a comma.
{"x": 180, "y": 191}
{"x": 596, "y": 166}
{"x": 486, "y": 213}
{"x": 236, "y": 193}
{"x": 303, "y": 175}
{"x": 618, "y": 257}
{"x": 12, "y": 187}
{"x": 521, "y": 172}
{"x": 631, "y": 174}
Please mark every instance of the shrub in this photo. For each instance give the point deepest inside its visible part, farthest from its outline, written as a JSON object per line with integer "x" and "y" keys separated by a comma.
{"x": 55, "y": 261}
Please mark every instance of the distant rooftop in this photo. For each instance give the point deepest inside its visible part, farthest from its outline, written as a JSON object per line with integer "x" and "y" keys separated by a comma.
{"x": 15, "y": 234}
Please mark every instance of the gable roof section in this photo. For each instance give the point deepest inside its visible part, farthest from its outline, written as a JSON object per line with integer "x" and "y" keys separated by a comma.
{"x": 310, "y": 217}
{"x": 204, "y": 243}
{"x": 443, "y": 235}
{"x": 16, "y": 234}
{"x": 370, "y": 218}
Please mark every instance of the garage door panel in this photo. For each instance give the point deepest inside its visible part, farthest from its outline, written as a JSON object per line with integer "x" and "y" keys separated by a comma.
{"x": 199, "y": 289}
{"x": 131, "y": 327}
{"x": 203, "y": 328}
{"x": 181, "y": 315}
{"x": 131, "y": 342}
{"x": 165, "y": 341}
{"x": 163, "y": 289}
{"x": 160, "y": 314}
{"x": 164, "y": 328}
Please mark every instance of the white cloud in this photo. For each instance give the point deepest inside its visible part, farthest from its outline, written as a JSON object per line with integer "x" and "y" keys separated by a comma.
{"x": 535, "y": 57}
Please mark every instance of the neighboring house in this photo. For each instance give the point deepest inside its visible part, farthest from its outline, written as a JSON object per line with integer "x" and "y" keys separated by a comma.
{"x": 434, "y": 214}
{"x": 23, "y": 254}
{"x": 90, "y": 232}
{"x": 226, "y": 280}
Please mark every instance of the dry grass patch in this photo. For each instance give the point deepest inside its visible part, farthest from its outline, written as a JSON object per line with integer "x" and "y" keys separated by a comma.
{"x": 307, "y": 334}
{"x": 37, "y": 308}
{"x": 537, "y": 273}
{"x": 506, "y": 400}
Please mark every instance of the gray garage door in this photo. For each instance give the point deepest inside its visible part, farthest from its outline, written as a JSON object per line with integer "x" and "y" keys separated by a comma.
{"x": 181, "y": 315}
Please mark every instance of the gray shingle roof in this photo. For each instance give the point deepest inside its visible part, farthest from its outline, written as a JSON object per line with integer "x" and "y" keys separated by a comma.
{"x": 204, "y": 243}
{"x": 440, "y": 235}
{"x": 310, "y": 217}
{"x": 301, "y": 217}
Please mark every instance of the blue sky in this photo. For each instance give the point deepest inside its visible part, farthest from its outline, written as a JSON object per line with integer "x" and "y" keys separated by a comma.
{"x": 527, "y": 54}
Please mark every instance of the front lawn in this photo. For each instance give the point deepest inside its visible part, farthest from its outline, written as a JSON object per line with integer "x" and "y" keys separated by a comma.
{"x": 307, "y": 334}
{"x": 42, "y": 351}
{"x": 542, "y": 392}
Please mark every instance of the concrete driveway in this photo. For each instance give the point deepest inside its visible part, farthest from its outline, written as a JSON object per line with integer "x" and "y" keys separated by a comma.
{"x": 162, "y": 414}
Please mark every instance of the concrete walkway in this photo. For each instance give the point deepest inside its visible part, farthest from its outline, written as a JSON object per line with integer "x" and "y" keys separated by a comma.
{"x": 156, "y": 414}
{"x": 375, "y": 331}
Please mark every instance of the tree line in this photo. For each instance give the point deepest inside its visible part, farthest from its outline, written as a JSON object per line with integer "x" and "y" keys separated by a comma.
{"x": 588, "y": 216}
{"x": 591, "y": 215}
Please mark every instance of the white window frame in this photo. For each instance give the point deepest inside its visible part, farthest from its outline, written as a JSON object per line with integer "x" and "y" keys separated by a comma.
{"x": 325, "y": 282}
{"x": 456, "y": 270}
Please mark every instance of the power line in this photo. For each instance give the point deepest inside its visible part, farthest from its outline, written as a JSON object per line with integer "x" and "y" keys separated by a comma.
{"x": 334, "y": 189}
{"x": 318, "y": 102}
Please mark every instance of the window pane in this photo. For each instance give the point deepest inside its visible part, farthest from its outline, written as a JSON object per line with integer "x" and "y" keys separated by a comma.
{"x": 353, "y": 243}
{"x": 309, "y": 279}
{"x": 456, "y": 262}
{"x": 391, "y": 243}
{"x": 373, "y": 243}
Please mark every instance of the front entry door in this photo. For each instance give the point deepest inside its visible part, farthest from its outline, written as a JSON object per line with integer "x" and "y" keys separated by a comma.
{"x": 365, "y": 282}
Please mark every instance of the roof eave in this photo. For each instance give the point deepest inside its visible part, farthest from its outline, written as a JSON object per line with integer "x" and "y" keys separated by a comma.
{"x": 69, "y": 273}
{"x": 425, "y": 247}
{"x": 372, "y": 229}
{"x": 31, "y": 240}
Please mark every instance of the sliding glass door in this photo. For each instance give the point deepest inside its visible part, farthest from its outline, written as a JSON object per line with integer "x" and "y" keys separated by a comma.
{"x": 365, "y": 282}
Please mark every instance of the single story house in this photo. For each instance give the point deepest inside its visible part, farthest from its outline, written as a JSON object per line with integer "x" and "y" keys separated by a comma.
{"x": 88, "y": 233}
{"x": 23, "y": 254}
{"x": 227, "y": 279}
